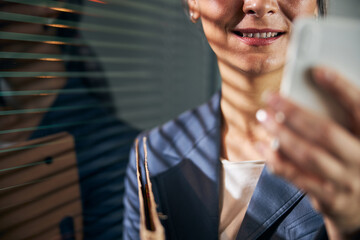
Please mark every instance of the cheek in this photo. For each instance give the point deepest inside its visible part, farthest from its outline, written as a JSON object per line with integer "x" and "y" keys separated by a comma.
{"x": 298, "y": 8}
{"x": 217, "y": 16}
{"x": 220, "y": 12}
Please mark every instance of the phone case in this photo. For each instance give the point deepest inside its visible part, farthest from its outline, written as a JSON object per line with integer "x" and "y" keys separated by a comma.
{"x": 333, "y": 42}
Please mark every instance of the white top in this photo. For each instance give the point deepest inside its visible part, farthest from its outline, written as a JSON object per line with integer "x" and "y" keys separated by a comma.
{"x": 238, "y": 183}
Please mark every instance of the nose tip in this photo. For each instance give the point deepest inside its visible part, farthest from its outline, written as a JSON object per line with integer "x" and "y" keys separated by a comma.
{"x": 259, "y": 8}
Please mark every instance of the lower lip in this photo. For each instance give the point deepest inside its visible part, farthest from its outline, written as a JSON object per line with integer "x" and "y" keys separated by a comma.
{"x": 258, "y": 41}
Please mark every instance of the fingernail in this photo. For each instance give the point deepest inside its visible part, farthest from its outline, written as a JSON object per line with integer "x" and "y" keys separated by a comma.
{"x": 261, "y": 115}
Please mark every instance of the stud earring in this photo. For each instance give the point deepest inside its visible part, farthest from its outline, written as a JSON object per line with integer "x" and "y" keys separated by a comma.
{"x": 192, "y": 17}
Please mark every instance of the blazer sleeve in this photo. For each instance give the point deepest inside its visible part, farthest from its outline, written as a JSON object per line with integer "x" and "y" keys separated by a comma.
{"x": 131, "y": 222}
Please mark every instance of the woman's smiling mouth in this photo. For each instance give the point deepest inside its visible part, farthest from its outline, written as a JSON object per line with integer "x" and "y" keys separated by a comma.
{"x": 258, "y": 37}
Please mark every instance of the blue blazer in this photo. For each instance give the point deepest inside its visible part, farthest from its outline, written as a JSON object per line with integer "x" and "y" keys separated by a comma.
{"x": 184, "y": 166}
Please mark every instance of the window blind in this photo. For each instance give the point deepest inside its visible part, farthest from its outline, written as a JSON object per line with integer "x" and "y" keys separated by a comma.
{"x": 92, "y": 73}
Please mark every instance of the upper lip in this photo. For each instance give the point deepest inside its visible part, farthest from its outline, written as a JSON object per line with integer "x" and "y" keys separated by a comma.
{"x": 244, "y": 32}
{"x": 256, "y": 30}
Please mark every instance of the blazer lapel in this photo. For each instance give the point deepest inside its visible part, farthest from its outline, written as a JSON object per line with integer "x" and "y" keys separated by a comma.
{"x": 273, "y": 197}
{"x": 206, "y": 183}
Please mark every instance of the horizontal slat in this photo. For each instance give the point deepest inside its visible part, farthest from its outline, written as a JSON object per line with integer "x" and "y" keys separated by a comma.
{"x": 73, "y": 41}
{"x": 31, "y": 192}
{"x": 53, "y": 232}
{"x": 117, "y": 74}
{"x": 169, "y": 5}
{"x": 33, "y": 209}
{"x": 66, "y": 160}
{"x": 19, "y": 167}
{"x": 71, "y": 24}
{"x": 39, "y": 224}
{"x": 39, "y": 38}
{"x": 60, "y": 125}
{"x": 16, "y": 55}
{"x": 38, "y": 208}
{"x": 53, "y": 109}
{"x": 143, "y": 88}
{"x": 54, "y": 144}
{"x": 141, "y": 103}
{"x": 20, "y": 147}
{"x": 68, "y": 7}
{"x": 179, "y": 41}
{"x": 160, "y": 60}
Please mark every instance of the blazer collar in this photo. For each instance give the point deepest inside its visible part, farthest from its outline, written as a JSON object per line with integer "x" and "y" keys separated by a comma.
{"x": 194, "y": 150}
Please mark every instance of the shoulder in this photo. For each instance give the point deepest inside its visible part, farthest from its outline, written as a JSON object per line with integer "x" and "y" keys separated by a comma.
{"x": 169, "y": 143}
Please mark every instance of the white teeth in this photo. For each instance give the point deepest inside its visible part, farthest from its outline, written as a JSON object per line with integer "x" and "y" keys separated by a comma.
{"x": 247, "y": 35}
{"x": 260, "y": 35}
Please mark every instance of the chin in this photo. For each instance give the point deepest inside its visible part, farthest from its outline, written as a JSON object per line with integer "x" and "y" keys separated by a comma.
{"x": 256, "y": 65}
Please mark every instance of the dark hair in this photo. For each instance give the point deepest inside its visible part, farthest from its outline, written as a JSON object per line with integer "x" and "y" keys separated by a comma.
{"x": 322, "y": 5}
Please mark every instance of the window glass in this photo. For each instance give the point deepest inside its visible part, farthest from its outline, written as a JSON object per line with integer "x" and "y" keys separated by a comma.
{"x": 79, "y": 80}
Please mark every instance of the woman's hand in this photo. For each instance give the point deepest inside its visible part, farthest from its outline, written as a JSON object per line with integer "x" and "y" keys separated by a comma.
{"x": 317, "y": 155}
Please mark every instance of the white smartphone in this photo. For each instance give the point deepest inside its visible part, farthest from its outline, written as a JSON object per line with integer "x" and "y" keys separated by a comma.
{"x": 333, "y": 42}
